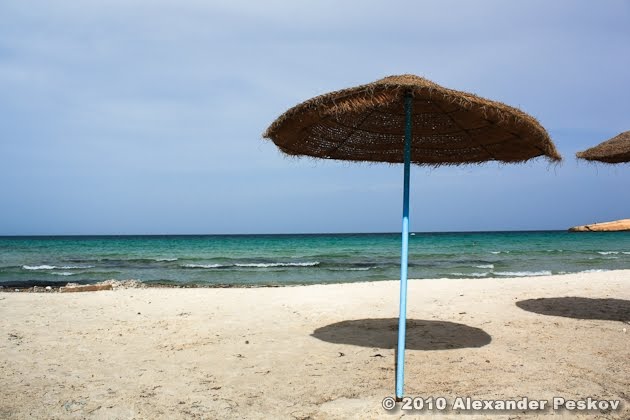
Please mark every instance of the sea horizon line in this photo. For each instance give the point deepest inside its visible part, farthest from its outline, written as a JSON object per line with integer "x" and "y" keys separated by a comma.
{"x": 123, "y": 235}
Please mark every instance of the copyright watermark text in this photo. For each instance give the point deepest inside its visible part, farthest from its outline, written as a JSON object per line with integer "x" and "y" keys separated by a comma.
{"x": 522, "y": 404}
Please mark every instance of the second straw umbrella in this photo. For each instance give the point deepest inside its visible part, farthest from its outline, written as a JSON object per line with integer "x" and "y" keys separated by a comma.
{"x": 615, "y": 150}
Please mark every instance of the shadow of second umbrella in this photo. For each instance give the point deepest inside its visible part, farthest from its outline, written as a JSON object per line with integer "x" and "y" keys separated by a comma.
{"x": 605, "y": 309}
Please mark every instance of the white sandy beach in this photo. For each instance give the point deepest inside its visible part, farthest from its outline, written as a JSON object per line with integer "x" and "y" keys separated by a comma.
{"x": 314, "y": 352}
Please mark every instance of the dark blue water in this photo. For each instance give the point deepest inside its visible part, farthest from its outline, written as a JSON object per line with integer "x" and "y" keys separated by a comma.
{"x": 305, "y": 259}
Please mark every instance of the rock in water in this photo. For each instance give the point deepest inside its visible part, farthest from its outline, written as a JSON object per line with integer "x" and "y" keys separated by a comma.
{"x": 614, "y": 226}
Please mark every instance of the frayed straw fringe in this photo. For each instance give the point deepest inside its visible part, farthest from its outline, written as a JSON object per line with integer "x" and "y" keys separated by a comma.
{"x": 615, "y": 150}
{"x": 366, "y": 123}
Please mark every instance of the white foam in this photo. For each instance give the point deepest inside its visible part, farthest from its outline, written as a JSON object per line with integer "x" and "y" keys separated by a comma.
{"x": 253, "y": 265}
{"x": 598, "y": 270}
{"x": 166, "y": 259}
{"x": 267, "y": 265}
{"x": 608, "y": 252}
{"x": 523, "y": 273}
{"x": 64, "y": 273}
{"x": 470, "y": 274}
{"x": 38, "y": 267}
{"x": 75, "y": 267}
{"x": 485, "y": 266}
{"x": 54, "y": 267}
{"x": 352, "y": 269}
{"x": 203, "y": 265}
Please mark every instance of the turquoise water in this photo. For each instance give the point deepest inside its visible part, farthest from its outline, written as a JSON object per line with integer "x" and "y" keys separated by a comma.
{"x": 304, "y": 259}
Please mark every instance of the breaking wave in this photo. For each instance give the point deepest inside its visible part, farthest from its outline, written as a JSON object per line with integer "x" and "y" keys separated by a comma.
{"x": 54, "y": 267}
{"x": 469, "y": 274}
{"x": 523, "y": 273}
{"x": 254, "y": 265}
{"x": 204, "y": 266}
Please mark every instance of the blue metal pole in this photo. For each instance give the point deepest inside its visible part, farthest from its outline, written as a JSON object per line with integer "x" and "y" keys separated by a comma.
{"x": 402, "y": 319}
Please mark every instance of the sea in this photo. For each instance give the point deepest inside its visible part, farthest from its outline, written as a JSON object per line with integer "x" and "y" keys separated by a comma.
{"x": 276, "y": 260}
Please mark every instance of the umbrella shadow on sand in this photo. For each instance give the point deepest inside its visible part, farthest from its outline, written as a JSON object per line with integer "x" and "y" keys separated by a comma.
{"x": 580, "y": 308}
{"x": 421, "y": 334}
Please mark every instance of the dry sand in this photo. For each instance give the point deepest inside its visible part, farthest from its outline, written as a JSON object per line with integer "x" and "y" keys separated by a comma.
{"x": 319, "y": 352}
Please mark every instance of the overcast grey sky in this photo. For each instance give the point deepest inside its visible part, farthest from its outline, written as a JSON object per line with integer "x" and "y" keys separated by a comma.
{"x": 145, "y": 117}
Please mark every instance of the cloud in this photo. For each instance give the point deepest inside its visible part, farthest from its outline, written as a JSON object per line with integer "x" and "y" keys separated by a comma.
{"x": 145, "y": 93}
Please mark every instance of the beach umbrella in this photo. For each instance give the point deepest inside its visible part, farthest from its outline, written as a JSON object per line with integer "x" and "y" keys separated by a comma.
{"x": 408, "y": 119}
{"x": 615, "y": 150}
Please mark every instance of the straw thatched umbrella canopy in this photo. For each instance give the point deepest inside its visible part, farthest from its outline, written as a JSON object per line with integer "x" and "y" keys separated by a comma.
{"x": 404, "y": 119}
{"x": 367, "y": 123}
{"x": 615, "y": 150}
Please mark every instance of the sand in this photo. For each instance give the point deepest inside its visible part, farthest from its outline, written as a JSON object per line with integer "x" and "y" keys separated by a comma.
{"x": 315, "y": 352}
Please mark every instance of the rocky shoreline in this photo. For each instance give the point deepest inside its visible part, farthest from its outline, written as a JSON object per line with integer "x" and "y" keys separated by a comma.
{"x": 120, "y": 284}
{"x": 614, "y": 226}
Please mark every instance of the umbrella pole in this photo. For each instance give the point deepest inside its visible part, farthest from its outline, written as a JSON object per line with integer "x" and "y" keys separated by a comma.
{"x": 402, "y": 319}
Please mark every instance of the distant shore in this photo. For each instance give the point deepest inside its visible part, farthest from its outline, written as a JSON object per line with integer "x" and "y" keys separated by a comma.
{"x": 614, "y": 226}
{"x": 319, "y": 351}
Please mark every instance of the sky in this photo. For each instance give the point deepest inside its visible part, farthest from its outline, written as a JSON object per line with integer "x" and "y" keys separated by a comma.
{"x": 146, "y": 116}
